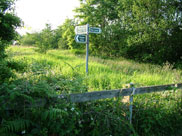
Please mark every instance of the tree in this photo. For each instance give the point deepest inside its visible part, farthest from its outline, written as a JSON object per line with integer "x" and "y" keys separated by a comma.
{"x": 151, "y": 23}
{"x": 29, "y": 39}
{"x": 67, "y": 40}
{"x": 45, "y": 39}
{"x": 8, "y": 23}
{"x": 144, "y": 30}
{"x": 104, "y": 14}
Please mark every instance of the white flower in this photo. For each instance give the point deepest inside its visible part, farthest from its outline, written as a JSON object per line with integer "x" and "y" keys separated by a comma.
{"x": 23, "y": 132}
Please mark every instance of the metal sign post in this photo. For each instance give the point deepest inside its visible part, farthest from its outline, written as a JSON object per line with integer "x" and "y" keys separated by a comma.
{"x": 87, "y": 49}
{"x": 82, "y": 36}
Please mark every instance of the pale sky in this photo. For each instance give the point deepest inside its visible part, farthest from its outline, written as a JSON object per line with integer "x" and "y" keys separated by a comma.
{"x": 36, "y": 13}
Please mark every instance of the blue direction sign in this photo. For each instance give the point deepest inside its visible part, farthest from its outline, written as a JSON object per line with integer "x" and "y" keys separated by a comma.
{"x": 95, "y": 30}
{"x": 80, "y": 38}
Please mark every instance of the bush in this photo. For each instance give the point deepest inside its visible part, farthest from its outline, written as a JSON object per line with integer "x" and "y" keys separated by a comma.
{"x": 156, "y": 115}
{"x": 17, "y": 65}
{"x": 29, "y": 39}
{"x": 6, "y": 68}
{"x": 5, "y": 72}
{"x": 29, "y": 107}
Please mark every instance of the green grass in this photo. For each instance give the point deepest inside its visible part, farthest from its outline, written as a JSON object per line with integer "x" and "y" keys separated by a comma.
{"x": 103, "y": 74}
{"x": 154, "y": 114}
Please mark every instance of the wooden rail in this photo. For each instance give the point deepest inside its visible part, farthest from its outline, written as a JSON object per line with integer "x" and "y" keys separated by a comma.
{"x": 96, "y": 95}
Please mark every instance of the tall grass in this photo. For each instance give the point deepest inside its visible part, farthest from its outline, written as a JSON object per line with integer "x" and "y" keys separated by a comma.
{"x": 154, "y": 114}
{"x": 103, "y": 74}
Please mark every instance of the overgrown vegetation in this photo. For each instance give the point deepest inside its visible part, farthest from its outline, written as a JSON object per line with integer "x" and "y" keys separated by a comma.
{"x": 8, "y": 23}
{"x": 142, "y": 30}
{"x": 158, "y": 114}
{"x": 62, "y": 37}
{"x": 29, "y": 107}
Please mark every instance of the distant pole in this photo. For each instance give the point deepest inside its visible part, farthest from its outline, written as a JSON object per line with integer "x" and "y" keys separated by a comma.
{"x": 87, "y": 48}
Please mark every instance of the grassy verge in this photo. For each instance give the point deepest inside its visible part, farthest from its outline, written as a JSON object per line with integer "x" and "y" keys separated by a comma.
{"x": 103, "y": 74}
{"x": 58, "y": 71}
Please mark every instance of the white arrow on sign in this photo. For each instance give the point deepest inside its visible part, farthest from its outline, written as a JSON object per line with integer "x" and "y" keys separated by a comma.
{"x": 81, "y": 29}
{"x": 95, "y": 30}
{"x": 80, "y": 38}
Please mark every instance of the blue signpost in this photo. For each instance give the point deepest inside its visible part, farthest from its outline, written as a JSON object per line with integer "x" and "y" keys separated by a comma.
{"x": 82, "y": 36}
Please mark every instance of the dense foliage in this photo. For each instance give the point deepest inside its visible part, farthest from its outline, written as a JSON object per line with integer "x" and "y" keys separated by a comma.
{"x": 29, "y": 105}
{"x": 29, "y": 39}
{"x": 62, "y": 37}
{"x": 143, "y": 30}
{"x": 8, "y": 23}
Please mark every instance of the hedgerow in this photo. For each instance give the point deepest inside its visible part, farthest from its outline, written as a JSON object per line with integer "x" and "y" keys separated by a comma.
{"x": 29, "y": 106}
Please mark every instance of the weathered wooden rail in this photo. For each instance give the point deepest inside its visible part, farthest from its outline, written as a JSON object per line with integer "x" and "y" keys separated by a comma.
{"x": 96, "y": 95}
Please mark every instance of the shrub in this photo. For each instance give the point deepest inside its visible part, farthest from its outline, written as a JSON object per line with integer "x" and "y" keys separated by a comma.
{"x": 29, "y": 39}
{"x": 17, "y": 65}
{"x": 5, "y": 72}
{"x": 156, "y": 115}
{"x": 29, "y": 107}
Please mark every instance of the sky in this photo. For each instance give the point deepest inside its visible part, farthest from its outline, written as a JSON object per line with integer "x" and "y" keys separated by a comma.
{"x": 36, "y": 13}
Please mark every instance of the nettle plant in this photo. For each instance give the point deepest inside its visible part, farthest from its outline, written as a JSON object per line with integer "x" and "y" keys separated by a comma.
{"x": 158, "y": 113}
